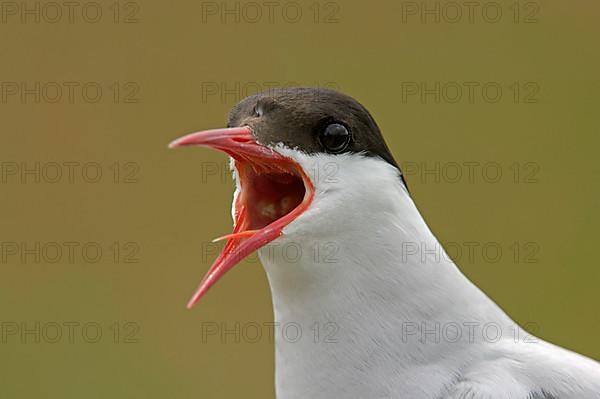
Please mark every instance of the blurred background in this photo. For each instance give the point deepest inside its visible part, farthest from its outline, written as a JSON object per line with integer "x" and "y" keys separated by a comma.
{"x": 491, "y": 109}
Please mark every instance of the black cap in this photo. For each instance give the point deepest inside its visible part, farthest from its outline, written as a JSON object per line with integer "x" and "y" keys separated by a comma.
{"x": 297, "y": 117}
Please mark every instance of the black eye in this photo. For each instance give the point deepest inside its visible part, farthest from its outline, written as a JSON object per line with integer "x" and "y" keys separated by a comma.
{"x": 257, "y": 111}
{"x": 335, "y": 138}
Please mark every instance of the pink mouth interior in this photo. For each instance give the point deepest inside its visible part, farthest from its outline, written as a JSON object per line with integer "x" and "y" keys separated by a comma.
{"x": 274, "y": 190}
{"x": 269, "y": 195}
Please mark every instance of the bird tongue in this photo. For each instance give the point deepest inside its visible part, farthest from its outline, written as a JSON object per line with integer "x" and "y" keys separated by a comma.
{"x": 260, "y": 212}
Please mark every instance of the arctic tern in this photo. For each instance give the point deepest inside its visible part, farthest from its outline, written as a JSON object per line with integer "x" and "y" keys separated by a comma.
{"x": 313, "y": 171}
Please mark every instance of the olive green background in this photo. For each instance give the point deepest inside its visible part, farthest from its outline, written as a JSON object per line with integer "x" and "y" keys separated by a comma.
{"x": 172, "y": 56}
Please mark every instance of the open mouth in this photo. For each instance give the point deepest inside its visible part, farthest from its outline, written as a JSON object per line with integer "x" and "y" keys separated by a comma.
{"x": 273, "y": 192}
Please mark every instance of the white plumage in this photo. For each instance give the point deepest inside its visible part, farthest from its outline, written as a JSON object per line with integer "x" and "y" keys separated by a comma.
{"x": 369, "y": 295}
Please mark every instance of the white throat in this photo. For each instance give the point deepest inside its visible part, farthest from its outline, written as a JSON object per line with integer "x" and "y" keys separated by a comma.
{"x": 346, "y": 275}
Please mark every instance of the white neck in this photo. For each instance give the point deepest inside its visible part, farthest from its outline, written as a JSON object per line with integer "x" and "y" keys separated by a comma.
{"x": 346, "y": 275}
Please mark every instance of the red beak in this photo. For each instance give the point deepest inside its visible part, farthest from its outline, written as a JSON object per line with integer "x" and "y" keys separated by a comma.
{"x": 238, "y": 142}
{"x": 280, "y": 180}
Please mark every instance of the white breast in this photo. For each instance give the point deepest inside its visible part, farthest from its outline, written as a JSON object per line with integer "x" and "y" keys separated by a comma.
{"x": 342, "y": 276}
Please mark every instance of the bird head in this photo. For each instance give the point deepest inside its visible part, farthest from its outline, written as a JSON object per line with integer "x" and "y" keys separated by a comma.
{"x": 291, "y": 151}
